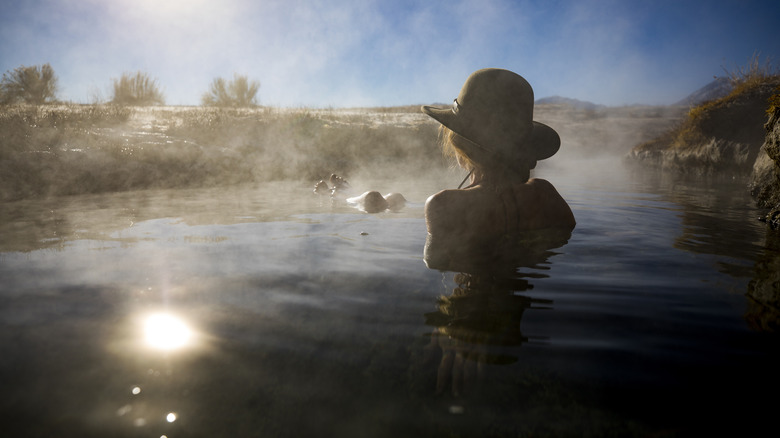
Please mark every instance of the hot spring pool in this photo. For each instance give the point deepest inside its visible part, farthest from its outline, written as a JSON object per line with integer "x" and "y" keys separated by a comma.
{"x": 267, "y": 311}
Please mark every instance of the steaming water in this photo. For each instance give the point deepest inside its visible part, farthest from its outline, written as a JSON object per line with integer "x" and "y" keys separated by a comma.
{"x": 284, "y": 314}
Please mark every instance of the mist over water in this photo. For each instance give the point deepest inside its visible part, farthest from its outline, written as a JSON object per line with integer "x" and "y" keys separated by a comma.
{"x": 73, "y": 150}
{"x": 93, "y": 149}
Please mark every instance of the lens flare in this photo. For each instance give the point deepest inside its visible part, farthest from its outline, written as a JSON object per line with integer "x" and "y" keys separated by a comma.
{"x": 166, "y": 332}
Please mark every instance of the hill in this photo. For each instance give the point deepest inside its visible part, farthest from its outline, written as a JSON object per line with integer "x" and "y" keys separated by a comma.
{"x": 719, "y": 137}
{"x": 717, "y": 89}
{"x": 575, "y": 103}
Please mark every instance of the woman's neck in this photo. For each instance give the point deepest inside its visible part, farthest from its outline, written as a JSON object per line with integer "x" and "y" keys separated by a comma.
{"x": 507, "y": 177}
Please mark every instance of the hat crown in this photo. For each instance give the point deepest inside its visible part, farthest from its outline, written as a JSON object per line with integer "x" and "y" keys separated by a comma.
{"x": 497, "y": 107}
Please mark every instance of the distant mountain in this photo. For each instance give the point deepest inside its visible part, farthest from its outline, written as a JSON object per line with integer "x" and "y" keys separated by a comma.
{"x": 716, "y": 89}
{"x": 579, "y": 104}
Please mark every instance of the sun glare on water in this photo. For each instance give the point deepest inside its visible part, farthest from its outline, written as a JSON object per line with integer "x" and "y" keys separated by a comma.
{"x": 163, "y": 331}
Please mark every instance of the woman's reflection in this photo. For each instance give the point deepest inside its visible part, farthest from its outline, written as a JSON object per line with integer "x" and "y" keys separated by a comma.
{"x": 479, "y": 323}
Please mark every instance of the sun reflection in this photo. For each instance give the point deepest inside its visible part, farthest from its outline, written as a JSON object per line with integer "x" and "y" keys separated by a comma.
{"x": 164, "y": 331}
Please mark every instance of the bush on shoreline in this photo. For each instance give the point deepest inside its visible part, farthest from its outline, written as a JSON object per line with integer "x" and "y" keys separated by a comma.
{"x": 35, "y": 85}
{"x": 238, "y": 92}
{"x": 137, "y": 89}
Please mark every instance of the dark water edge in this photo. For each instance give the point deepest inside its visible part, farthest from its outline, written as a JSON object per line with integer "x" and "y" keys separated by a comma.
{"x": 638, "y": 326}
{"x": 715, "y": 330}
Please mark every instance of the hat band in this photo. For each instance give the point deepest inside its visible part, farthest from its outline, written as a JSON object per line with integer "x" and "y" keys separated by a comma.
{"x": 456, "y": 109}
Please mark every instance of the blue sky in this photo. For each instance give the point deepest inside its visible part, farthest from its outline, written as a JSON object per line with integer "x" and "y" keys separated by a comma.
{"x": 344, "y": 53}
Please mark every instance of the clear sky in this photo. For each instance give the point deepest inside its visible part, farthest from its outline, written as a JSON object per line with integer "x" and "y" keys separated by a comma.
{"x": 344, "y": 53}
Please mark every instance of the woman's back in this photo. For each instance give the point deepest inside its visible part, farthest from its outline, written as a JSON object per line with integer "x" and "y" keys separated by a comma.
{"x": 489, "y": 210}
{"x": 476, "y": 219}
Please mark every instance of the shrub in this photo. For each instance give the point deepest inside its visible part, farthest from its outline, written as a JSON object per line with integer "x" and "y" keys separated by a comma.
{"x": 35, "y": 85}
{"x": 754, "y": 73}
{"x": 137, "y": 89}
{"x": 240, "y": 92}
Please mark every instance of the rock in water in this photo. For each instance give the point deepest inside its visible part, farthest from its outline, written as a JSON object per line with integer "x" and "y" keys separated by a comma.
{"x": 395, "y": 201}
{"x": 370, "y": 202}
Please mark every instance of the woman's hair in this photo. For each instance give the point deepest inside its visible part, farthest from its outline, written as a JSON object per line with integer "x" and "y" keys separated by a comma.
{"x": 480, "y": 161}
{"x": 453, "y": 146}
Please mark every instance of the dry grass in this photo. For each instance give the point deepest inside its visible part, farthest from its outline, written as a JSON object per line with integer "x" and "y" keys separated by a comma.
{"x": 752, "y": 74}
{"x": 68, "y": 150}
{"x": 744, "y": 79}
{"x": 701, "y": 124}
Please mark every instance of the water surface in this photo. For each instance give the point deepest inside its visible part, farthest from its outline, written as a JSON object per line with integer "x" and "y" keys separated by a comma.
{"x": 291, "y": 315}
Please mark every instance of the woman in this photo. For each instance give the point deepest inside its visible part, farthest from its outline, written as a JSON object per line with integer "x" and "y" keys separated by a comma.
{"x": 490, "y": 131}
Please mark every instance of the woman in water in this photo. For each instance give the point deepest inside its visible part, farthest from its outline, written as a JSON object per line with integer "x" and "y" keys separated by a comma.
{"x": 490, "y": 131}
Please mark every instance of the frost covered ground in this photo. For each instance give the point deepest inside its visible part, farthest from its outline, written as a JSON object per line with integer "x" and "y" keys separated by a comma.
{"x": 73, "y": 149}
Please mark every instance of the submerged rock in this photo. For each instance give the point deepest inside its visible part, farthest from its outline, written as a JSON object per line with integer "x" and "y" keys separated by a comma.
{"x": 373, "y": 202}
{"x": 395, "y": 201}
{"x": 370, "y": 202}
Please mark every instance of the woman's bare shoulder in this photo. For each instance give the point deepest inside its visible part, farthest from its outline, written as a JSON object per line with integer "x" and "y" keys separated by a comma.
{"x": 540, "y": 184}
{"x": 440, "y": 204}
{"x": 442, "y": 208}
{"x": 449, "y": 199}
{"x": 554, "y": 211}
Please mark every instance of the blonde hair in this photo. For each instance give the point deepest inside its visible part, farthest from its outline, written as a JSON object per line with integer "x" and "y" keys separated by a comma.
{"x": 479, "y": 160}
{"x": 452, "y": 146}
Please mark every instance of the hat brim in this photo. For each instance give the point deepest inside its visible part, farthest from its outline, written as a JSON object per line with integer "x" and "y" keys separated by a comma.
{"x": 543, "y": 139}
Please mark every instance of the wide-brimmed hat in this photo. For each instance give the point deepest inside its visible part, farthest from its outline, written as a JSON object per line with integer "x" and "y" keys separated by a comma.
{"x": 495, "y": 110}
